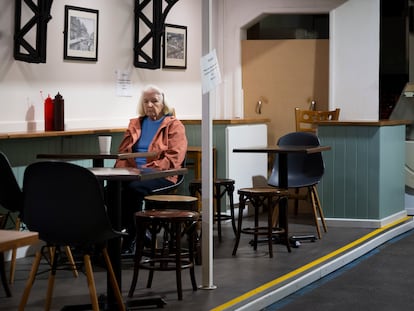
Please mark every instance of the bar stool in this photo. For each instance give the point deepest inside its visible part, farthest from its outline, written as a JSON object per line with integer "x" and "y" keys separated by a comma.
{"x": 180, "y": 202}
{"x": 222, "y": 186}
{"x": 267, "y": 197}
{"x": 169, "y": 257}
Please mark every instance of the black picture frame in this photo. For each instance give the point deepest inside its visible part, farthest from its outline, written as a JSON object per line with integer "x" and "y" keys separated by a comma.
{"x": 175, "y": 47}
{"x": 81, "y": 34}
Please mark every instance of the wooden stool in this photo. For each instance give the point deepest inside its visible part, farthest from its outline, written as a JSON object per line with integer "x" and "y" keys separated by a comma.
{"x": 171, "y": 201}
{"x": 267, "y": 197}
{"x": 221, "y": 187}
{"x": 174, "y": 224}
{"x": 180, "y": 202}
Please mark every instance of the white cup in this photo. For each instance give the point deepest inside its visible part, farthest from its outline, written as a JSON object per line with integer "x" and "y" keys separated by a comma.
{"x": 105, "y": 144}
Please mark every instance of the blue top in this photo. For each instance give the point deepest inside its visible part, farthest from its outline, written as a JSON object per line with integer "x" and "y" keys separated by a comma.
{"x": 148, "y": 129}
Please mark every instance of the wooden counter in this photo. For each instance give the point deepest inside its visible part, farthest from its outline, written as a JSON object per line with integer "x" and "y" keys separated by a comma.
{"x": 97, "y": 131}
{"x": 364, "y": 123}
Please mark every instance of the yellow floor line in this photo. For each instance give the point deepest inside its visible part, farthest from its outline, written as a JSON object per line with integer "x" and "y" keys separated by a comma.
{"x": 308, "y": 266}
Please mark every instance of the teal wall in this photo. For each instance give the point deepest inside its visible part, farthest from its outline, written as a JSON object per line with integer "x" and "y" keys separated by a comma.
{"x": 22, "y": 151}
{"x": 364, "y": 171}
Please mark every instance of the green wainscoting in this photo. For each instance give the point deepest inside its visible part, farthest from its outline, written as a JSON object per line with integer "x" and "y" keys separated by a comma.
{"x": 22, "y": 148}
{"x": 364, "y": 171}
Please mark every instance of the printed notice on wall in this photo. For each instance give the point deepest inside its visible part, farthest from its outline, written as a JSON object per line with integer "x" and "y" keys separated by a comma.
{"x": 123, "y": 83}
{"x": 210, "y": 72}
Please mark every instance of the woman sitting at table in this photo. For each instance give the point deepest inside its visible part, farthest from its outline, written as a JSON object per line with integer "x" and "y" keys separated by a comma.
{"x": 154, "y": 130}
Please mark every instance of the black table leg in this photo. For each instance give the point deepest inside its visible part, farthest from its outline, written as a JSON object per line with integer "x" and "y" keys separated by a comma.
{"x": 3, "y": 275}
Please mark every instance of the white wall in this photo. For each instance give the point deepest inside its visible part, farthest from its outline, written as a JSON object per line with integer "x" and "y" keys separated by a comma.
{"x": 354, "y": 67}
{"x": 88, "y": 87}
{"x": 239, "y": 15}
{"x": 354, "y": 50}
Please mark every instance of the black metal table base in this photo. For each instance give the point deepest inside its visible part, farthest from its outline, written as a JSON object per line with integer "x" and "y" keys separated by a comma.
{"x": 294, "y": 240}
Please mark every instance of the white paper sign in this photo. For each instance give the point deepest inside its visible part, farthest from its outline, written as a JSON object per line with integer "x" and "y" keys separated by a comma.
{"x": 210, "y": 72}
{"x": 123, "y": 83}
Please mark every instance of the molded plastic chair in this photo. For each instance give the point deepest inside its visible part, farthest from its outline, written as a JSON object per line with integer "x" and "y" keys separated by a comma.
{"x": 11, "y": 199}
{"x": 305, "y": 119}
{"x": 64, "y": 203}
{"x": 304, "y": 171}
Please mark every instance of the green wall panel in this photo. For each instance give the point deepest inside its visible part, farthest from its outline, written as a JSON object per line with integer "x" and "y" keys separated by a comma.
{"x": 364, "y": 171}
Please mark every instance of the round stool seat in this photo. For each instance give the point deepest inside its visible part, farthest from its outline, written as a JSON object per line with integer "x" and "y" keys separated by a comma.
{"x": 263, "y": 191}
{"x": 171, "y": 201}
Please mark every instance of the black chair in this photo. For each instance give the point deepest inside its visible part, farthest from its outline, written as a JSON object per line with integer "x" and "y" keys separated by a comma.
{"x": 11, "y": 200}
{"x": 304, "y": 171}
{"x": 64, "y": 203}
{"x": 171, "y": 188}
{"x": 11, "y": 197}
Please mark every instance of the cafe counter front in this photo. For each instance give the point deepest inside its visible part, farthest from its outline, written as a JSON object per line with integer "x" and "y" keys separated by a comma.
{"x": 364, "y": 180}
{"x": 22, "y": 148}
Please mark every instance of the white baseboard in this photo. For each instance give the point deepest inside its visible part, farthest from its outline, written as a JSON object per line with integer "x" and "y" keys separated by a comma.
{"x": 364, "y": 223}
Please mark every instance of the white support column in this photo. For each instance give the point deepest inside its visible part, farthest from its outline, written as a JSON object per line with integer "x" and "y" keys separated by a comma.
{"x": 207, "y": 162}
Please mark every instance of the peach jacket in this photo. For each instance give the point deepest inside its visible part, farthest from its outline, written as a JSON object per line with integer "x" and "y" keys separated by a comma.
{"x": 170, "y": 143}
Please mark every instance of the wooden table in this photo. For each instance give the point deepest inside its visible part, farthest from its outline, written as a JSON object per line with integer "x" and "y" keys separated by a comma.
{"x": 119, "y": 175}
{"x": 10, "y": 239}
{"x": 97, "y": 158}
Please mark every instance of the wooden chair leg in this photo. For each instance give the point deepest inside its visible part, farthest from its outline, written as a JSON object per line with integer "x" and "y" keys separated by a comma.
{"x": 71, "y": 261}
{"x": 91, "y": 282}
{"x": 320, "y": 210}
{"x": 112, "y": 279}
{"x": 51, "y": 280}
{"x": 30, "y": 280}
{"x": 14, "y": 255}
{"x": 315, "y": 213}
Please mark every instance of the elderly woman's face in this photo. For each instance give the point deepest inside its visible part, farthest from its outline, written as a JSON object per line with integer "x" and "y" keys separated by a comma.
{"x": 153, "y": 105}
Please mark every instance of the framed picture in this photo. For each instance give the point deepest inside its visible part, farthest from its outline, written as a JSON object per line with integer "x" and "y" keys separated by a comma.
{"x": 175, "y": 47}
{"x": 80, "y": 34}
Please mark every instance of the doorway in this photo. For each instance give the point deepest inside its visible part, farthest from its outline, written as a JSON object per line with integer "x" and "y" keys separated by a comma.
{"x": 285, "y": 64}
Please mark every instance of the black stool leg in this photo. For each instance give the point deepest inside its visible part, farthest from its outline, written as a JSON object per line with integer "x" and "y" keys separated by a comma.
{"x": 192, "y": 240}
{"x": 242, "y": 202}
{"x": 217, "y": 197}
{"x": 138, "y": 255}
{"x": 177, "y": 232}
{"x": 270, "y": 208}
{"x": 230, "y": 191}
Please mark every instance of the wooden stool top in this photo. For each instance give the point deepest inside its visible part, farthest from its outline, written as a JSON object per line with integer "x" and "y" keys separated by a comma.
{"x": 170, "y": 214}
{"x": 170, "y": 198}
{"x": 263, "y": 191}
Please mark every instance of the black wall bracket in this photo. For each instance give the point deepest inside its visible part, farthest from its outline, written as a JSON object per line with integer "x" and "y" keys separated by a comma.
{"x": 149, "y": 29}
{"x": 35, "y": 27}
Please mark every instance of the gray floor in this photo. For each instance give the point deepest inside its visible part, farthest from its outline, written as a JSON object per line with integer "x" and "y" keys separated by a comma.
{"x": 383, "y": 279}
{"x": 250, "y": 270}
